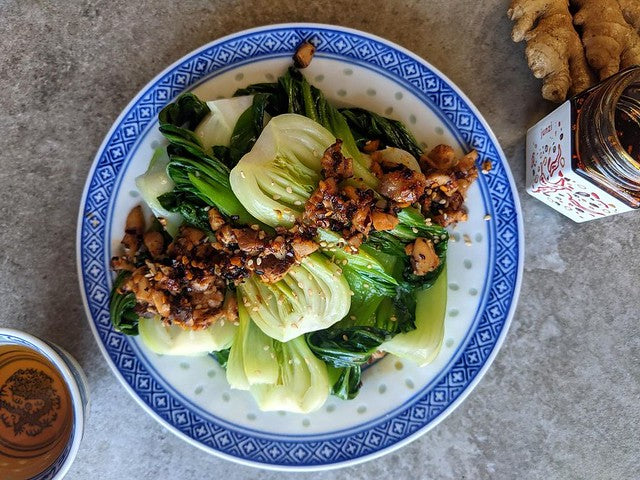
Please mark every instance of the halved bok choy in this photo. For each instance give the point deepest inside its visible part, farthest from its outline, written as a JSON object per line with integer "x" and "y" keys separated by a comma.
{"x": 279, "y": 174}
{"x": 175, "y": 340}
{"x": 312, "y": 296}
{"x": 280, "y": 376}
{"x": 423, "y": 344}
{"x": 155, "y": 182}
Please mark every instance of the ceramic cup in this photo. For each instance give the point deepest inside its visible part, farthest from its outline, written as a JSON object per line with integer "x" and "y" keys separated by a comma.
{"x": 77, "y": 386}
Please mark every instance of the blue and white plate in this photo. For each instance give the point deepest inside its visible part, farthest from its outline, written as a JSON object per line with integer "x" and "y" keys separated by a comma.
{"x": 398, "y": 401}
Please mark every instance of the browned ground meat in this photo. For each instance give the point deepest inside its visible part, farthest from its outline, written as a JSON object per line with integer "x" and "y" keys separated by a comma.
{"x": 346, "y": 210}
{"x": 448, "y": 179}
{"x": 335, "y": 164}
{"x": 185, "y": 282}
{"x": 402, "y": 185}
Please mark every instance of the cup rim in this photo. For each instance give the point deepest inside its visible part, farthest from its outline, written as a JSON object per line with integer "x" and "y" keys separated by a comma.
{"x": 74, "y": 391}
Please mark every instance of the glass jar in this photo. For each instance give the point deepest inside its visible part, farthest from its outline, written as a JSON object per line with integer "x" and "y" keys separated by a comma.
{"x": 607, "y": 139}
{"x": 584, "y": 157}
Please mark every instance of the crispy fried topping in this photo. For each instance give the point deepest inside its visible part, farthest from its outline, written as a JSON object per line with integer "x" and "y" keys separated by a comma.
{"x": 402, "y": 185}
{"x": 186, "y": 282}
{"x": 423, "y": 256}
{"x": 154, "y": 241}
{"x": 335, "y": 164}
{"x": 304, "y": 54}
{"x": 346, "y": 210}
{"x": 216, "y": 220}
{"x": 448, "y": 180}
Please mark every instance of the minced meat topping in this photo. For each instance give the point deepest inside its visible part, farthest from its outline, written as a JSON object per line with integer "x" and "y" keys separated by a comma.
{"x": 186, "y": 280}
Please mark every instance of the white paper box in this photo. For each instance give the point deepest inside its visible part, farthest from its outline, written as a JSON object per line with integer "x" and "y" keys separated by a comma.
{"x": 550, "y": 177}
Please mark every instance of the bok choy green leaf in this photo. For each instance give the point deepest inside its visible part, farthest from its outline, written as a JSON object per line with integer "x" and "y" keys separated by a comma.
{"x": 121, "y": 307}
{"x": 367, "y": 125}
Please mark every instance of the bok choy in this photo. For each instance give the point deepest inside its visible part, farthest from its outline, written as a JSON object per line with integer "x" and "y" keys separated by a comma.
{"x": 280, "y": 376}
{"x": 311, "y": 296}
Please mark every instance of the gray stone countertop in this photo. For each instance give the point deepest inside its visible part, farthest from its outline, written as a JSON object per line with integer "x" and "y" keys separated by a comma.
{"x": 562, "y": 399}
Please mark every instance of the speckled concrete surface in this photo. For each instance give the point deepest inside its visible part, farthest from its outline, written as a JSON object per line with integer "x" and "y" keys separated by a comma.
{"x": 562, "y": 399}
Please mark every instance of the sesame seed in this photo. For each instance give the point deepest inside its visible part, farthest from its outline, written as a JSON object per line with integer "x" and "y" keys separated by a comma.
{"x": 366, "y": 285}
{"x": 258, "y": 261}
{"x": 289, "y": 190}
{"x": 369, "y": 266}
{"x": 393, "y": 318}
{"x": 467, "y": 240}
{"x": 414, "y": 230}
{"x": 255, "y": 227}
{"x": 276, "y": 197}
{"x": 300, "y": 284}
{"x": 242, "y": 174}
{"x": 352, "y": 317}
{"x": 345, "y": 338}
{"x": 297, "y": 202}
{"x": 255, "y": 309}
{"x": 265, "y": 348}
{"x": 237, "y": 324}
{"x": 487, "y": 217}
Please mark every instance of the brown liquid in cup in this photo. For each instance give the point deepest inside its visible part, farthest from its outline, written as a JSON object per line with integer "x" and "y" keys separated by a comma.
{"x": 36, "y": 414}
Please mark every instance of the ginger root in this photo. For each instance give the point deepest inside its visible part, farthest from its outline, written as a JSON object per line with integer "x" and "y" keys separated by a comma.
{"x": 631, "y": 12}
{"x": 555, "y": 50}
{"x": 609, "y": 41}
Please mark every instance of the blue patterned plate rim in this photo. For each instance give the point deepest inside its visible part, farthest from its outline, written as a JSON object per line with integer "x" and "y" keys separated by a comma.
{"x": 347, "y": 449}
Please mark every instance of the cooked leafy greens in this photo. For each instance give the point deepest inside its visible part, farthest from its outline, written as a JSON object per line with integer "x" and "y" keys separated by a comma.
{"x": 280, "y": 376}
{"x": 292, "y": 93}
{"x": 367, "y": 125}
{"x": 192, "y": 169}
{"x": 278, "y": 175}
{"x": 121, "y": 308}
{"x": 312, "y": 296}
{"x": 256, "y": 158}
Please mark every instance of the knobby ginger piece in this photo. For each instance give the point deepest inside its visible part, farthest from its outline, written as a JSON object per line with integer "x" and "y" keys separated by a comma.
{"x": 610, "y": 42}
{"x": 631, "y": 12}
{"x": 554, "y": 51}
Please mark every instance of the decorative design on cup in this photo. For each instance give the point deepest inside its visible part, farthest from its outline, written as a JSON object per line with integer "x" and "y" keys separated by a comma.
{"x": 29, "y": 403}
